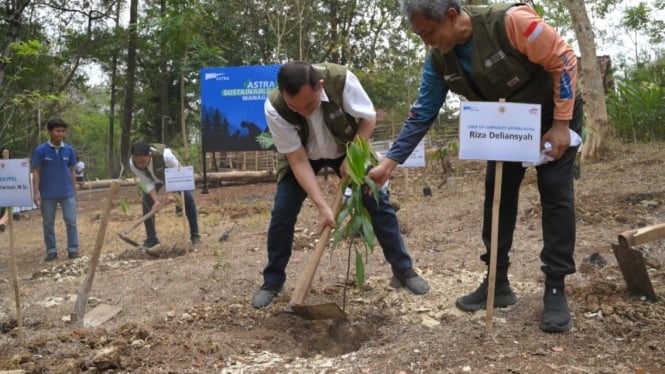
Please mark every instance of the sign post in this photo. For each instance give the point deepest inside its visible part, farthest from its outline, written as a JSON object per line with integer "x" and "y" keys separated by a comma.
{"x": 498, "y": 131}
{"x": 180, "y": 179}
{"x": 16, "y": 190}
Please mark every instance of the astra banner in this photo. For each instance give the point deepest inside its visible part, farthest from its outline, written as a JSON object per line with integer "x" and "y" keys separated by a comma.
{"x": 232, "y": 101}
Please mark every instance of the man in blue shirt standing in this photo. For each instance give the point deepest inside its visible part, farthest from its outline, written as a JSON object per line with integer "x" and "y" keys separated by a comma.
{"x": 54, "y": 181}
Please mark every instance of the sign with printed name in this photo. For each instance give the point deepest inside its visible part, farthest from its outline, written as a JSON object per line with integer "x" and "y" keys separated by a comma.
{"x": 15, "y": 185}
{"x": 179, "y": 179}
{"x": 499, "y": 131}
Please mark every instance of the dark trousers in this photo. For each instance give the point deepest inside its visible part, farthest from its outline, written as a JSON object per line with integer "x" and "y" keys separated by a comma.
{"x": 190, "y": 211}
{"x": 557, "y": 200}
{"x": 288, "y": 202}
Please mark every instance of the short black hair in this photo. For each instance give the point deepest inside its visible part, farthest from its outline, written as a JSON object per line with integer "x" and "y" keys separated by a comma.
{"x": 294, "y": 75}
{"x": 55, "y": 122}
{"x": 140, "y": 148}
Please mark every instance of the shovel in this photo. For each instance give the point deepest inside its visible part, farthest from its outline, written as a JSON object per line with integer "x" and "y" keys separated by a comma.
{"x": 123, "y": 234}
{"x": 631, "y": 261}
{"x": 320, "y": 311}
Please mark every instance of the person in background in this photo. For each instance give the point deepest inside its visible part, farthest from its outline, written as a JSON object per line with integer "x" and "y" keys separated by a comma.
{"x": 54, "y": 182}
{"x": 315, "y": 111}
{"x": 80, "y": 168}
{"x": 148, "y": 162}
{"x": 488, "y": 53}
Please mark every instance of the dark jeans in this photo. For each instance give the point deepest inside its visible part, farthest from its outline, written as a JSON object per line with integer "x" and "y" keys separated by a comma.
{"x": 557, "y": 200}
{"x": 190, "y": 211}
{"x": 288, "y": 202}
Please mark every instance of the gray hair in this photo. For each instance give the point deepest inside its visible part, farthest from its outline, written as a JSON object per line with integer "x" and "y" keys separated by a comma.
{"x": 430, "y": 9}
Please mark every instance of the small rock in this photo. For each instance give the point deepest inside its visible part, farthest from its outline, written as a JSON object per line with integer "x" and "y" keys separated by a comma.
{"x": 187, "y": 317}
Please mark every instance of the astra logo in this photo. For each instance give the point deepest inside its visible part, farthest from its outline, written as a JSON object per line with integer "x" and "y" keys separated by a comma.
{"x": 216, "y": 76}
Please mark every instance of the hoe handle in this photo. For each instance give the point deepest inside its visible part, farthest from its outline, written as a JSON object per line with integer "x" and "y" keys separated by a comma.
{"x": 305, "y": 280}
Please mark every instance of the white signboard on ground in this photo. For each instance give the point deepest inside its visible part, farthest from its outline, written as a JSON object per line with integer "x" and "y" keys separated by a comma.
{"x": 15, "y": 185}
{"x": 499, "y": 131}
{"x": 179, "y": 179}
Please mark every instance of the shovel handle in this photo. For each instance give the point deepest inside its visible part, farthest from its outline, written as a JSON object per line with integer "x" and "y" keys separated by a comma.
{"x": 141, "y": 220}
{"x": 305, "y": 280}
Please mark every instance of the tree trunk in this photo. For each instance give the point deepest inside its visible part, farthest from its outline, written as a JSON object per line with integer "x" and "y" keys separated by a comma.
{"x": 163, "y": 79}
{"x": 235, "y": 177}
{"x": 183, "y": 113}
{"x": 129, "y": 88}
{"x": 112, "y": 167}
{"x": 594, "y": 95}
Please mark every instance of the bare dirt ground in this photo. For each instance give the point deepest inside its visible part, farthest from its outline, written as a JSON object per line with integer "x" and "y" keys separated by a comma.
{"x": 189, "y": 312}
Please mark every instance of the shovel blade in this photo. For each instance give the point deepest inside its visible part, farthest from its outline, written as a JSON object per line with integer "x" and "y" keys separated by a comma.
{"x": 319, "y": 311}
{"x": 634, "y": 270}
{"x": 127, "y": 240}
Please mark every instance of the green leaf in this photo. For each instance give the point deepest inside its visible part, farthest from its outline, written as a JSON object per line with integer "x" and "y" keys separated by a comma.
{"x": 354, "y": 158}
{"x": 340, "y": 227}
{"x": 354, "y": 225}
{"x": 368, "y": 231}
{"x": 124, "y": 206}
{"x": 360, "y": 269}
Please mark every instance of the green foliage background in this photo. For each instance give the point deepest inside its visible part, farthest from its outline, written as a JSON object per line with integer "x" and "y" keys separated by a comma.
{"x": 48, "y": 49}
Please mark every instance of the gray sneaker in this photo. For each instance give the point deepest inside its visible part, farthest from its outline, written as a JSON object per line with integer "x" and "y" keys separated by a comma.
{"x": 264, "y": 295}
{"x": 411, "y": 280}
{"x": 151, "y": 247}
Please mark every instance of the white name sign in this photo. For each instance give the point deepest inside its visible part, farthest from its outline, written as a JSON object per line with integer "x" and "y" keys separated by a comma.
{"x": 499, "y": 131}
{"x": 179, "y": 179}
{"x": 15, "y": 185}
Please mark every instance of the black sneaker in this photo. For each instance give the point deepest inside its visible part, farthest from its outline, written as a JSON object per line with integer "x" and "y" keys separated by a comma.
{"x": 51, "y": 257}
{"x": 264, "y": 295}
{"x": 476, "y": 300}
{"x": 72, "y": 255}
{"x": 556, "y": 316}
{"x": 2, "y": 228}
{"x": 411, "y": 280}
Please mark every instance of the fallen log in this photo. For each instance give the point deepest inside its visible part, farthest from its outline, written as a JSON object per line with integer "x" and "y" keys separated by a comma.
{"x": 236, "y": 177}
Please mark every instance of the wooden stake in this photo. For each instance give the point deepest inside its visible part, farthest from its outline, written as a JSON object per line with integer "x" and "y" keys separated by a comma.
{"x": 491, "y": 278}
{"x": 184, "y": 222}
{"x": 84, "y": 291}
{"x": 17, "y": 294}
